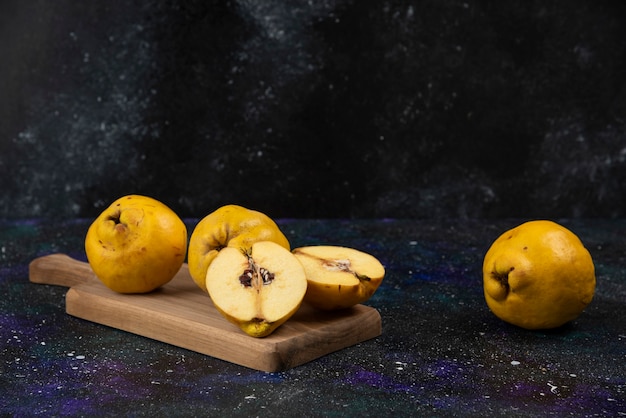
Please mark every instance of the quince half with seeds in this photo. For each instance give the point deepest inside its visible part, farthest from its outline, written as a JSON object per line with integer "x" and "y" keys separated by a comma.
{"x": 339, "y": 277}
{"x": 257, "y": 288}
{"x": 229, "y": 226}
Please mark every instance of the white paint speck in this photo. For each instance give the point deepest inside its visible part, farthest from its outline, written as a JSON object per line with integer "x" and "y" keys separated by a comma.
{"x": 515, "y": 363}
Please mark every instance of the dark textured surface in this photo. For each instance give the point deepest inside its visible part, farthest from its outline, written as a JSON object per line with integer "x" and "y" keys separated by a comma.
{"x": 442, "y": 353}
{"x": 315, "y": 109}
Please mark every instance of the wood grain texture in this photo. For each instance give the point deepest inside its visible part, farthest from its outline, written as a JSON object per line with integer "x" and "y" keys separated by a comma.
{"x": 60, "y": 270}
{"x": 180, "y": 314}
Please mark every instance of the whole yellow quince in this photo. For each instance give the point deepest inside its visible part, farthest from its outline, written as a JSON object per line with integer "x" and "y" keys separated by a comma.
{"x": 538, "y": 275}
{"x": 136, "y": 245}
{"x": 228, "y": 226}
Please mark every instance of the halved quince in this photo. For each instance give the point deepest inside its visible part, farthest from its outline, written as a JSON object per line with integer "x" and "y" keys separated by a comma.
{"x": 258, "y": 288}
{"x": 339, "y": 277}
{"x": 228, "y": 226}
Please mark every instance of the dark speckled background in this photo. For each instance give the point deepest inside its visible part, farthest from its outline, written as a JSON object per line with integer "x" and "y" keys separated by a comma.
{"x": 350, "y": 122}
{"x": 322, "y": 109}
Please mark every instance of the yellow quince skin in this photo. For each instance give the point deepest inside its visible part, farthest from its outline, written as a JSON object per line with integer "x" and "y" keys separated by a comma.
{"x": 538, "y": 275}
{"x": 228, "y": 226}
{"x": 136, "y": 245}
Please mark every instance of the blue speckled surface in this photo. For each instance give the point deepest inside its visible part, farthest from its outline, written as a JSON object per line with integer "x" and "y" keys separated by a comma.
{"x": 441, "y": 352}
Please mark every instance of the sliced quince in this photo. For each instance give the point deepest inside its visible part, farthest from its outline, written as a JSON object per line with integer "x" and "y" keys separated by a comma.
{"x": 339, "y": 277}
{"x": 228, "y": 226}
{"x": 258, "y": 288}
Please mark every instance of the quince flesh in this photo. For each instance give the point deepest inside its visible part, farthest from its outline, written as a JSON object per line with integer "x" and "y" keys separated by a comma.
{"x": 229, "y": 226}
{"x": 258, "y": 288}
{"x": 339, "y": 277}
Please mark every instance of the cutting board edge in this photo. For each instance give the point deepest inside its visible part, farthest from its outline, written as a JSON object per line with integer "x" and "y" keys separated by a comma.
{"x": 368, "y": 333}
{"x": 268, "y": 359}
{"x": 271, "y": 356}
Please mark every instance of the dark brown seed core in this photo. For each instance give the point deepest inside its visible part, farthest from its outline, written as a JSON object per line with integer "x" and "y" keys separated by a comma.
{"x": 344, "y": 265}
{"x": 264, "y": 276}
{"x": 246, "y": 278}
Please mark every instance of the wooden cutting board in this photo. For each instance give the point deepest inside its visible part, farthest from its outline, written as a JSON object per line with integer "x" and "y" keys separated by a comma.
{"x": 181, "y": 314}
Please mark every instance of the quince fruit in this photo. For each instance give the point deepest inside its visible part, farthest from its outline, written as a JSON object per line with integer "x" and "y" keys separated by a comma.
{"x": 136, "y": 245}
{"x": 257, "y": 288}
{"x": 228, "y": 226}
{"x": 339, "y": 277}
{"x": 538, "y": 275}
